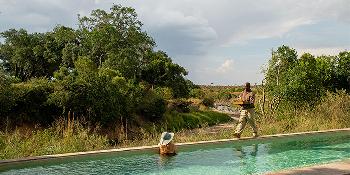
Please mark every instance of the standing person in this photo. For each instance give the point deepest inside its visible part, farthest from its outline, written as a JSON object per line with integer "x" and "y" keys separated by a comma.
{"x": 247, "y": 112}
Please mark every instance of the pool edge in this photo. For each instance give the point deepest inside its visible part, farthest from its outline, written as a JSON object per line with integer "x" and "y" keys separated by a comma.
{"x": 155, "y": 147}
{"x": 341, "y": 167}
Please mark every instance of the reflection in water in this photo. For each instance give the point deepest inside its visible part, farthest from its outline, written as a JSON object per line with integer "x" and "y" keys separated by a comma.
{"x": 225, "y": 158}
{"x": 165, "y": 159}
{"x": 248, "y": 158}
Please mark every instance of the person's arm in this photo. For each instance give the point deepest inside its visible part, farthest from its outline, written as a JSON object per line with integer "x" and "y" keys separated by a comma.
{"x": 252, "y": 98}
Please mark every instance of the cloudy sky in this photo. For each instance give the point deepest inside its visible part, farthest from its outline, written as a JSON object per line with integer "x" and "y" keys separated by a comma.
{"x": 221, "y": 42}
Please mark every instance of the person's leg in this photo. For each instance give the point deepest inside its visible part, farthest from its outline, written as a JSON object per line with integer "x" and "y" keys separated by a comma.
{"x": 241, "y": 123}
{"x": 251, "y": 121}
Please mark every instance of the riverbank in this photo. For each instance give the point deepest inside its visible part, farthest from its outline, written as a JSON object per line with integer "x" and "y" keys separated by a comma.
{"x": 73, "y": 136}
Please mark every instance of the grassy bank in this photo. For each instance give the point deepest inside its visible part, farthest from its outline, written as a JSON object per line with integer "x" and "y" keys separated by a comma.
{"x": 71, "y": 136}
{"x": 332, "y": 113}
{"x": 64, "y": 136}
{"x": 175, "y": 121}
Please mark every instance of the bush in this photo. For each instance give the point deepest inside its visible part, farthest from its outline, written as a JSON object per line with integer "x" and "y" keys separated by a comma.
{"x": 208, "y": 102}
{"x": 197, "y": 93}
{"x": 179, "y": 105}
{"x": 177, "y": 121}
{"x": 30, "y": 102}
{"x": 164, "y": 92}
{"x": 8, "y": 95}
{"x": 152, "y": 106}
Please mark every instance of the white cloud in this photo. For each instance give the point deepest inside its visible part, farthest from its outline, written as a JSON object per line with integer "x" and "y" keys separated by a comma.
{"x": 263, "y": 31}
{"x": 269, "y": 19}
{"x": 192, "y": 31}
{"x": 177, "y": 32}
{"x": 226, "y": 67}
{"x": 322, "y": 51}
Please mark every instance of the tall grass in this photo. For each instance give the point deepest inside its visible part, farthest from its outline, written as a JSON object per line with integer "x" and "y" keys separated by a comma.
{"x": 70, "y": 135}
{"x": 187, "y": 126}
{"x": 332, "y": 112}
{"x": 65, "y": 135}
{"x": 175, "y": 121}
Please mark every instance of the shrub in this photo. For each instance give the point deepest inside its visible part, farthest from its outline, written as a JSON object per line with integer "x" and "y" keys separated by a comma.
{"x": 179, "y": 105}
{"x": 208, "y": 102}
{"x": 152, "y": 106}
{"x": 8, "y": 95}
{"x": 197, "y": 93}
{"x": 164, "y": 92}
{"x": 30, "y": 102}
{"x": 175, "y": 121}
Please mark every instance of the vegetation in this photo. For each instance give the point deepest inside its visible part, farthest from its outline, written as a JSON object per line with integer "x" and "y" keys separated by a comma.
{"x": 105, "y": 71}
{"x": 64, "y": 136}
{"x": 332, "y": 113}
{"x": 177, "y": 121}
{"x": 72, "y": 135}
{"x": 117, "y": 90}
{"x": 293, "y": 82}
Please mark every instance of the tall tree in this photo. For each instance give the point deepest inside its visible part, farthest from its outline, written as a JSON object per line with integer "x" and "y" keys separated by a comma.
{"x": 343, "y": 70}
{"x": 115, "y": 37}
{"x": 282, "y": 60}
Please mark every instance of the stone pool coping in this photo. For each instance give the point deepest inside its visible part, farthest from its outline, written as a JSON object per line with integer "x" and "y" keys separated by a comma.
{"x": 334, "y": 168}
{"x": 155, "y": 147}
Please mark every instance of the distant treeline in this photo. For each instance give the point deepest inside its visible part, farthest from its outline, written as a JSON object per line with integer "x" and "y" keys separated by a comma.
{"x": 106, "y": 70}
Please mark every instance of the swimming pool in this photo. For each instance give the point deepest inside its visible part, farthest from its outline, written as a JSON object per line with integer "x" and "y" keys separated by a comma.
{"x": 254, "y": 156}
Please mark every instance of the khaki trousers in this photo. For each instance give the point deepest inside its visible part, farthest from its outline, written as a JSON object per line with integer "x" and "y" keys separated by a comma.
{"x": 247, "y": 115}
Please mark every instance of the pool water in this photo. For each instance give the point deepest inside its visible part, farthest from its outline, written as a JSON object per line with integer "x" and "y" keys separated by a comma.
{"x": 234, "y": 157}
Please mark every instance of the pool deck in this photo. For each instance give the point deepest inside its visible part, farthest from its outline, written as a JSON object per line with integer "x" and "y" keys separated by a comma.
{"x": 335, "y": 168}
{"x": 155, "y": 148}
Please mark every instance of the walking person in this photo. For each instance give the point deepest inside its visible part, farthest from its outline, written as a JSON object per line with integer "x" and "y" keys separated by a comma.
{"x": 247, "y": 113}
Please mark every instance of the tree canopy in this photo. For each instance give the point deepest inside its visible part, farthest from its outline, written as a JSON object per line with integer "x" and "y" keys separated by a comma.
{"x": 103, "y": 70}
{"x": 300, "y": 81}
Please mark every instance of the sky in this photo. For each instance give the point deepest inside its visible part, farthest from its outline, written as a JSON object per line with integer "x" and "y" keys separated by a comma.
{"x": 221, "y": 42}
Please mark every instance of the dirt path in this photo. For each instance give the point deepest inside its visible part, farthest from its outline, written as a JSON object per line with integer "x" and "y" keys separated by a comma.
{"x": 220, "y": 127}
{"x": 224, "y": 126}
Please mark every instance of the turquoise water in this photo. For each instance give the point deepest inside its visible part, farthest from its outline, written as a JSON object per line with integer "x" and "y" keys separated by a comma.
{"x": 236, "y": 157}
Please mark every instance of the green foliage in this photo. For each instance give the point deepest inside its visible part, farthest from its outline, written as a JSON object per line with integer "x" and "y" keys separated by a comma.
{"x": 332, "y": 112}
{"x": 343, "y": 71}
{"x": 30, "y": 102}
{"x": 161, "y": 71}
{"x": 8, "y": 95}
{"x": 207, "y": 101}
{"x": 276, "y": 75}
{"x": 115, "y": 40}
{"x": 102, "y": 71}
{"x": 96, "y": 94}
{"x": 179, "y": 105}
{"x": 294, "y": 82}
{"x": 62, "y": 137}
{"x": 177, "y": 121}
{"x": 305, "y": 82}
{"x": 197, "y": 93}
{"x": 218, "y": 94}
{"x": 152, "y": 106}
{"x": 165, "y": 92}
